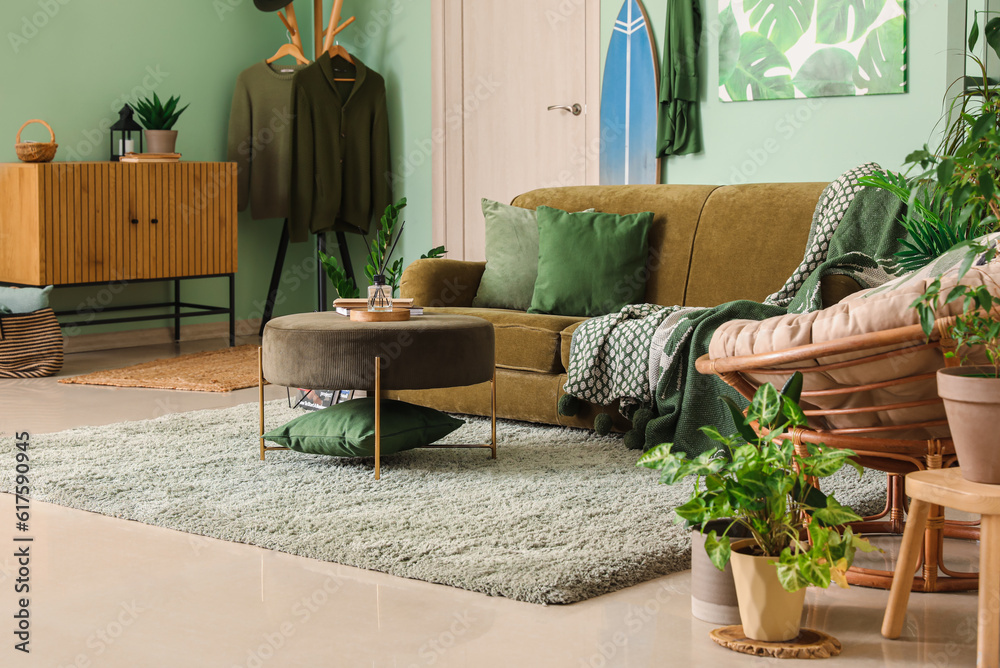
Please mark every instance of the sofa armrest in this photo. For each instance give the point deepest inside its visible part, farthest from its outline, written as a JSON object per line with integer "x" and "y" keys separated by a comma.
{"x": 441, "y": 282}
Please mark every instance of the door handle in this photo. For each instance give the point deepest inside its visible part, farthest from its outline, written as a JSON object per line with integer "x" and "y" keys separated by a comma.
{"x": 135, "y": 221}
{"x": 155, "y": 221}
{"x": 576, "y": 109}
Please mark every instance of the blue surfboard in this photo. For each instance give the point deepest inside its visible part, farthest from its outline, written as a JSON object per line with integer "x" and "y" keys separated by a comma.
{"x": 630, "y": 101}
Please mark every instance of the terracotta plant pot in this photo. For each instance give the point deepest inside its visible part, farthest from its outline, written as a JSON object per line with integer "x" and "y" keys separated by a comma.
{"x": 973, "y": 407}
{"x": 713, "y": 593}
{"x": 767, "y": 611}
{"x": 161, "y": 141}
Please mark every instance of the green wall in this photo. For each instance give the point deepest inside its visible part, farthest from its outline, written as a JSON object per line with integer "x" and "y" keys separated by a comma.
{"x": 808, "y": 140}
{"x": 73, "y": 62}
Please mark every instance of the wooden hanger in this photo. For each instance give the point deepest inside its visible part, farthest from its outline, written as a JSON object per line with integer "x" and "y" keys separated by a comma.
{"x": 332, "y": 30}
{"x": 294, "y": 48}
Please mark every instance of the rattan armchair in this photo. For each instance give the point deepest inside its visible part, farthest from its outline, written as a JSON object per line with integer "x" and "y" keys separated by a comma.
{"x": 902, "y": 436}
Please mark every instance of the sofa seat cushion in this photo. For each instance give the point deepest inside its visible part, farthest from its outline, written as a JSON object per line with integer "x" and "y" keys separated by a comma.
{"x": 524, "y": 341}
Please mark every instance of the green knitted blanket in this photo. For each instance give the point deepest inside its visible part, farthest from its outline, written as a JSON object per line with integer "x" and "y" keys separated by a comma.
{"x": 645, "y": 354}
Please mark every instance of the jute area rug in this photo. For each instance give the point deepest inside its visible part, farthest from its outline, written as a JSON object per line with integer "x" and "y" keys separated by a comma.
{"x": 222, "y": 370}
{"x": 562, "y": 515}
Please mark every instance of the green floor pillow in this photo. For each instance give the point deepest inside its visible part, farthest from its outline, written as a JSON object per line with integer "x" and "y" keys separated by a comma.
{"x": 24, "y": 300}
{"x": 348, "y": 429}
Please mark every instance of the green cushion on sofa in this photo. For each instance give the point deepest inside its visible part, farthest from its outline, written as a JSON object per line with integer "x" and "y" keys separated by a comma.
{"x": 511, "y": 257}
{"x": 590, "y": 264}
{"x": 24, "y": 300}
{"x": 348, "y": 429}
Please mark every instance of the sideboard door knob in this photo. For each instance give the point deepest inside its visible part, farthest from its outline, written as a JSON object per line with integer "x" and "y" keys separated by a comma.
{"x": 155, "y": 221}
{"x": 135, "y": 221}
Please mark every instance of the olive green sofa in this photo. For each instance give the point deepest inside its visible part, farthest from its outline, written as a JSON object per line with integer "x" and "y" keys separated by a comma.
{"x": 708, "y": 245}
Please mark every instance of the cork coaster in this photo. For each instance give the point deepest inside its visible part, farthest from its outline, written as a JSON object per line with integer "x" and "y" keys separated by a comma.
{"x": 810, "y": 644}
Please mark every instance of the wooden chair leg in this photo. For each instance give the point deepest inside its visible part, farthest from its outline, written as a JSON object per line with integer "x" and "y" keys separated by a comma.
{"x": 906, "y": 565}
{"x": 988, "y": 645}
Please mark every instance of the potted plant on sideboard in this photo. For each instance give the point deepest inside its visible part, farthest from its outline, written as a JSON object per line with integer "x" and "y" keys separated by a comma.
{"x": 758, "y": 481}
{"x": 159, "y": 119}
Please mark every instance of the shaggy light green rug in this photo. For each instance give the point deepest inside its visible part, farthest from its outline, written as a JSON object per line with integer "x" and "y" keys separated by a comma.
{"x": 562, "y": 515}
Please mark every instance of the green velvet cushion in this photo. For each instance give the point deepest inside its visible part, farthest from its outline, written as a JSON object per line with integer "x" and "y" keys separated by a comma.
{"x": 348, "y": 429}
{"x": 24, "y": 300}
{"x": 590, "y": 264}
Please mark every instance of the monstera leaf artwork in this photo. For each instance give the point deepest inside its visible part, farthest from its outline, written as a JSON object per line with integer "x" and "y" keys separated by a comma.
{"x": 781, "y": 49}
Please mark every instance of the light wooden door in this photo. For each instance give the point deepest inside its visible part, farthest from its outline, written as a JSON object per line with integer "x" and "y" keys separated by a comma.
{"x": 499, "y": 67}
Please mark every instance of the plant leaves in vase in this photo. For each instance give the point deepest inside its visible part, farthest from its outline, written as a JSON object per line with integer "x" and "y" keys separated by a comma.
{"x": 759, "y": 57}
{"x": 833, "y": 16}
{"x": 781, "y": 21}
{"x": 828, "y": 72}
{"x": 882, "y": 60}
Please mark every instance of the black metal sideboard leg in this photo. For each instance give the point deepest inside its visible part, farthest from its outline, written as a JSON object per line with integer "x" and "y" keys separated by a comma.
{"x": 232, "y": 310}
{"x": 177, "y": 310}
{"x": 279, "y": 265}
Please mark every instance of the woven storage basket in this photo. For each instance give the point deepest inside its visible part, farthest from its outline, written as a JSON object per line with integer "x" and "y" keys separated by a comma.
{"x": 30, "y": 151}
{"x": 31, "y": 344}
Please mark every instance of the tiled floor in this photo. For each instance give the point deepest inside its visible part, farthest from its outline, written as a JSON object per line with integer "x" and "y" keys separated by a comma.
{"x": 109, "y": 593}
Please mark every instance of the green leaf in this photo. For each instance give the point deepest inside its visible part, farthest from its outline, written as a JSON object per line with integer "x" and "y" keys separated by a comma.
{"x": 974, "y": 32}
{"x": 992, "y": 35}
{"x": 986, "y": 186}
{"x": 745, "y": 431}
{"x": 833, "y": 18}
{"x": 981, "y": 126}
{"x": 781, "y": 21}
{"x": 434, "y": 253}
{"x": 765, "y": 406}
{"x": 761, "y": 73}
{"x": 718, "y": 549}
{"x": 882, "y": 60}
{"x": 945, "y": 170}
{"x": 828, "y": 72}
{"x": 729, "y": 44}
{"x": 835, "y": 514}
{"x": 793, "y": 387}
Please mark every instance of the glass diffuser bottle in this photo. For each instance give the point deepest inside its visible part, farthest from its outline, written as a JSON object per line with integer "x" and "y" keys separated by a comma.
{"x": 379, "y": 295}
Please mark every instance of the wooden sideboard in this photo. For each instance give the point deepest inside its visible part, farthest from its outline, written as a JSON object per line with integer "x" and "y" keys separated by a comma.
{"x": 86, "y": 223}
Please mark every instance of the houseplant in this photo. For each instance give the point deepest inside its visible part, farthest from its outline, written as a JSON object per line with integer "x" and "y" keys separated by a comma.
{"x": 952, "y": 202}
{"x": 971, "y": 393}
{"x": 378, "y": 258}
{"x": 757, "y": 481}
{"x": 159, "y": 119}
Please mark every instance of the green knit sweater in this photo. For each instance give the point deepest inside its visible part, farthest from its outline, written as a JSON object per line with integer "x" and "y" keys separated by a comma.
{"x": 340, "y": 166}
{"x": 260, "y": 138}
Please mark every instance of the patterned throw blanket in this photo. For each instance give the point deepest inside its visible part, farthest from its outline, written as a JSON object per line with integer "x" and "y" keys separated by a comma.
{"x": 645, "y": 353}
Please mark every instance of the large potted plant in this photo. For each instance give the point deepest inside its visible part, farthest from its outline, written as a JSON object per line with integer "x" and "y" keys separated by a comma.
{"x": 952, "y": 202}
{"x": 971, "y": 393}
{"x": 758, "y": 481}
{"x": 159, "y": 119}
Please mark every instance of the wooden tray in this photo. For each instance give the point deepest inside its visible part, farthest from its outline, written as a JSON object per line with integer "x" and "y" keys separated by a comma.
{"x": 810, "y": 644}
{"x": 364, "y": 315}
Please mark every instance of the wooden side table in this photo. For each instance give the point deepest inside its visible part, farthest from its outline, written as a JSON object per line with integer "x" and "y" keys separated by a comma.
{"x": 947, "y": 487}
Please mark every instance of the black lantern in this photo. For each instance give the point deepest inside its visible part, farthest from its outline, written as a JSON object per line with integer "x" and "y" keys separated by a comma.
{"x": 121, "y": 134}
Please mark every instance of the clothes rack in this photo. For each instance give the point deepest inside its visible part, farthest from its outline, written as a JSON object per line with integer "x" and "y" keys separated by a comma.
{"x": 322, "y": 42}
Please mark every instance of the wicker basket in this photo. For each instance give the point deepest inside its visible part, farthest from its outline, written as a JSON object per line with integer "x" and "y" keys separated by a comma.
{"x": 31, "y": 345}
{"x": 31, "y": 151}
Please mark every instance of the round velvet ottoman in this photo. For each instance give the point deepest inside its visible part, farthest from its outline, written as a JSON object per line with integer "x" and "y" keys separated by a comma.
{"x": 327, "y": 351}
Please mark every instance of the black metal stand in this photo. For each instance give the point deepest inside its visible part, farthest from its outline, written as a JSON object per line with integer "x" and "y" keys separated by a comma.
{"x": 177, "y": 306}
{"x": 279, "y": 265}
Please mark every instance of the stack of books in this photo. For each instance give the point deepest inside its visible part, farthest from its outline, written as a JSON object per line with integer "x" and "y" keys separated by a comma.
{"x": 345, "y": 306}
{"x": 151, "y": 157}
